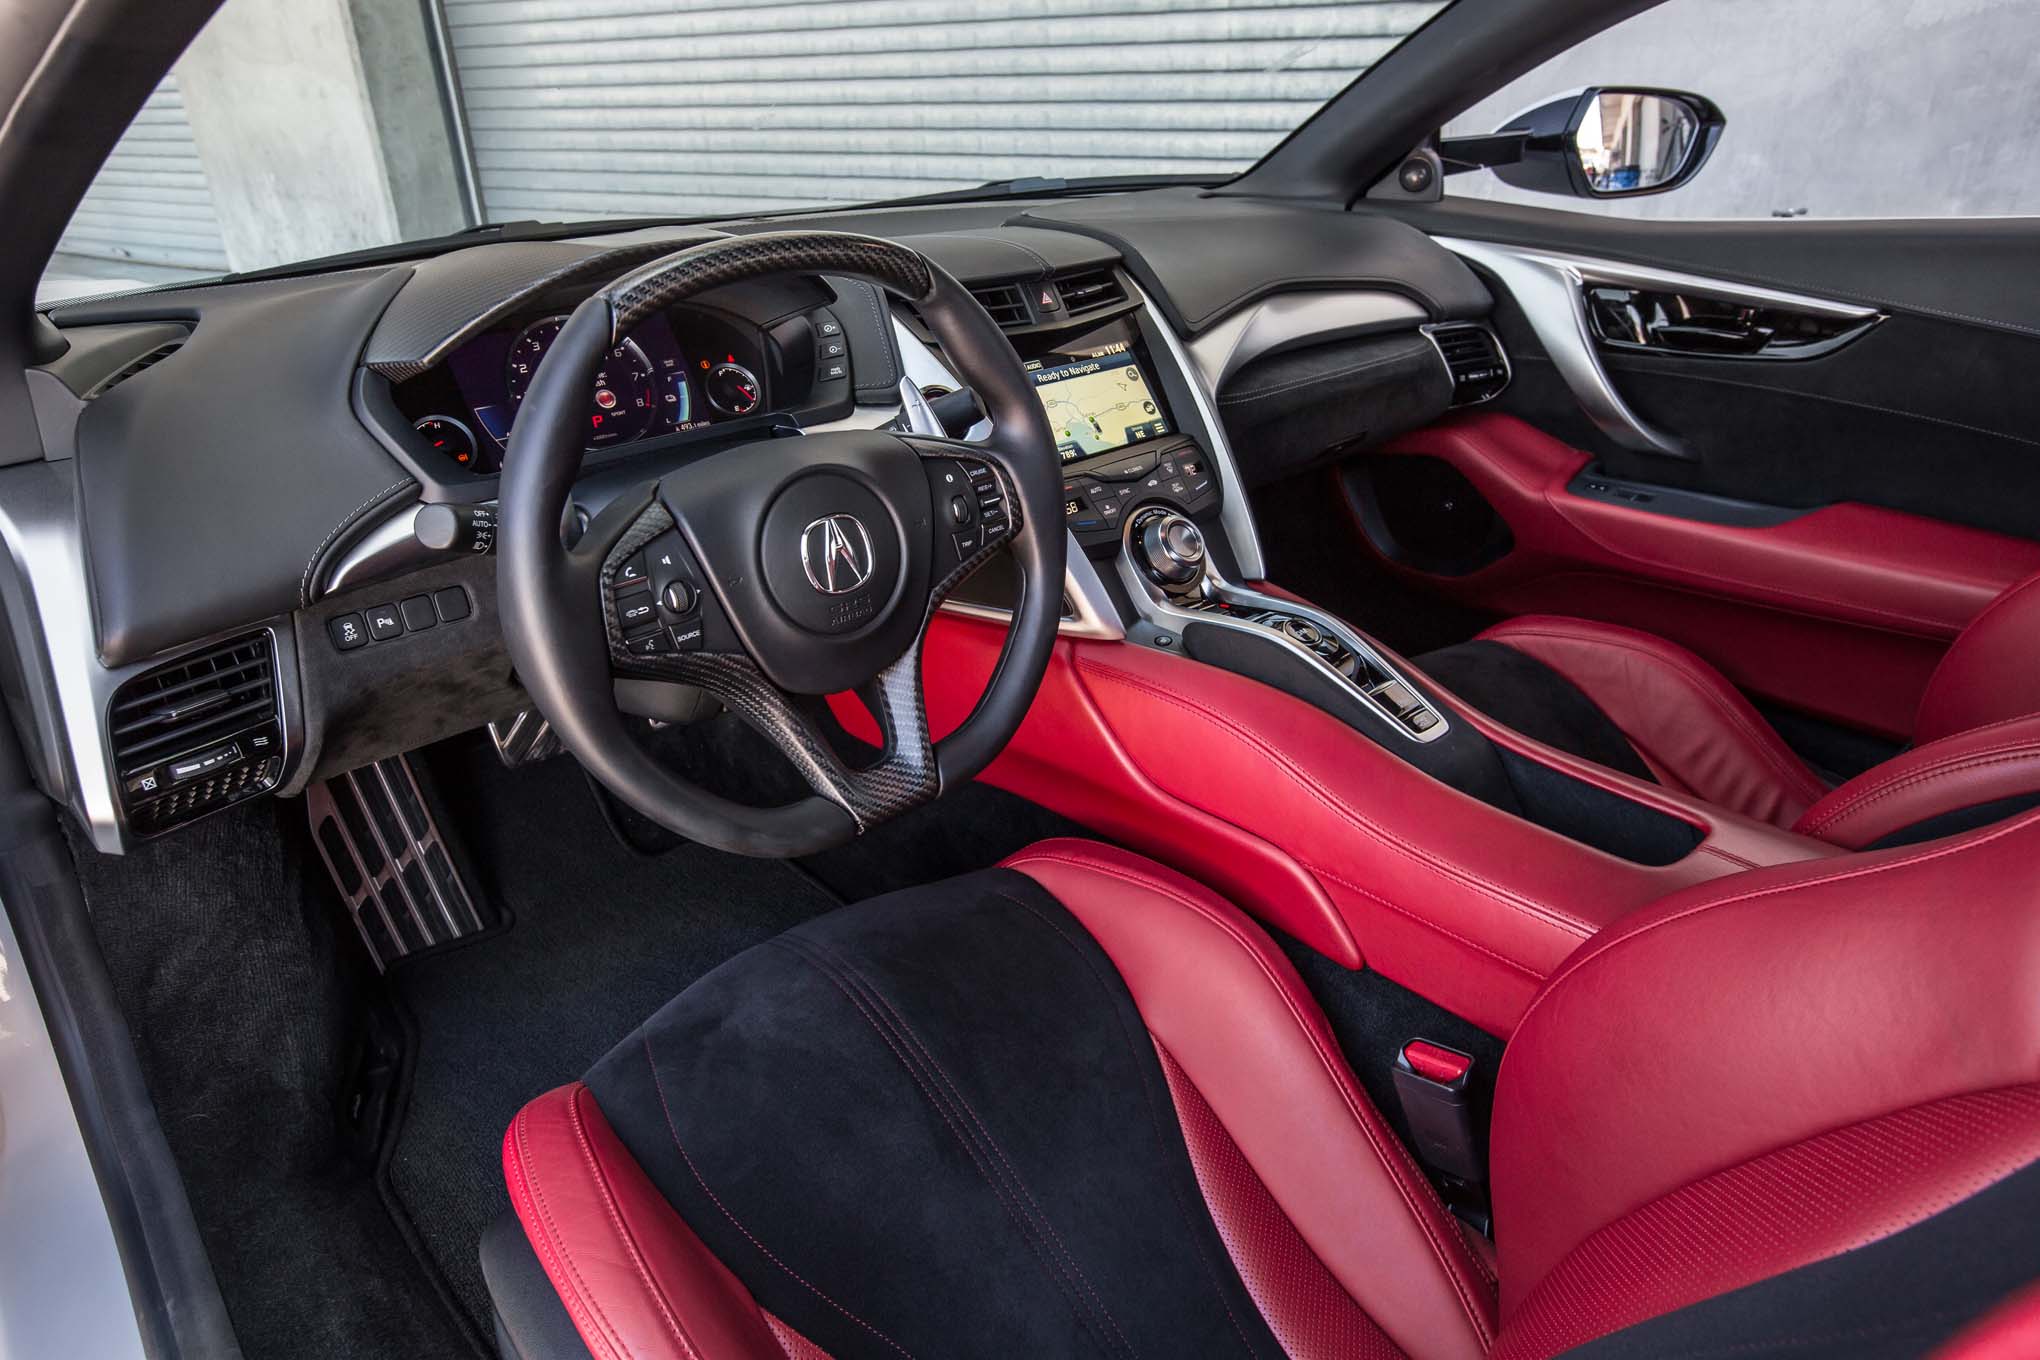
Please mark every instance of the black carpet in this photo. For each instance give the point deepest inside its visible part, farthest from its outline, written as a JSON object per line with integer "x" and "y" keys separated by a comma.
{"x": 241, "y": 1003}
{"x": 600, "y": 937}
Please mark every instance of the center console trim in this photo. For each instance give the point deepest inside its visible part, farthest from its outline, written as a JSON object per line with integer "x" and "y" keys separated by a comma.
{"x": 1156, "y": 608}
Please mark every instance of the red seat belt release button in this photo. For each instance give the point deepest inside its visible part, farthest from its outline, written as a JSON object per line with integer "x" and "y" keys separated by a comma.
{"x": 1431, "y": 1081}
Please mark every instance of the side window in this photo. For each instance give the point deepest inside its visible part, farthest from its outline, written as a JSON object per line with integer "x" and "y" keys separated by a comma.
{"x": 1834, "y": 108}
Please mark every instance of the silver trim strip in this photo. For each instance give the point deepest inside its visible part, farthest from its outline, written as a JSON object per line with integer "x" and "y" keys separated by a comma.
{"x": 1549, "y": 290}
{"x": 1234, "y": 515}
{"x": 1289, "y": 320}
{"x": 49, "y": 610}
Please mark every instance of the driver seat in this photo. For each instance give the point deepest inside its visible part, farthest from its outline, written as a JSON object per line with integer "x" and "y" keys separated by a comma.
{"x": 1079, "y": 1105}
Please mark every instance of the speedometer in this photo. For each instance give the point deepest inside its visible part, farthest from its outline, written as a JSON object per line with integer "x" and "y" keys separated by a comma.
{"x": 624, "y": 400}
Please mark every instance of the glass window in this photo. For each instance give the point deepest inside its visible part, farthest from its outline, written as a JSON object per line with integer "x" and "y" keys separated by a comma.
{"x": 298, "y": 128}
{"x": 1835, "y": 108}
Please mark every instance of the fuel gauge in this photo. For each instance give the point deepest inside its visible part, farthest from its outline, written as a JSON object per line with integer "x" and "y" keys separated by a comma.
{"x": 734, "y": 389}
{"x": 453, "y": 439}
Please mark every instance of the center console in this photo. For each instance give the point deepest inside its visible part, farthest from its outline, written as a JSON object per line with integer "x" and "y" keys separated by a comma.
{"x": 1271, "y": 748}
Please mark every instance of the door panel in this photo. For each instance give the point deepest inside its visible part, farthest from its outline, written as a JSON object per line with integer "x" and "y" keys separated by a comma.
{"x": 1841, "y": 611}
{"x": 1873, "y": 493}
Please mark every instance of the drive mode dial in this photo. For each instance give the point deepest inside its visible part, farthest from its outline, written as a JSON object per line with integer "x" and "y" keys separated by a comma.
{"x": 1171, "y": 547}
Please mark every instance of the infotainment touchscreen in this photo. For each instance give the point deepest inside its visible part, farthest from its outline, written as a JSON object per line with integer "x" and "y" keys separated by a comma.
{"x": 1097, "y": 400}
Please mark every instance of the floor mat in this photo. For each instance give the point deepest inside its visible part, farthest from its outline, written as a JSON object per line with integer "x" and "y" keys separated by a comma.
{"x": 241, "y": 1000}
{"x": 599, "y": 939}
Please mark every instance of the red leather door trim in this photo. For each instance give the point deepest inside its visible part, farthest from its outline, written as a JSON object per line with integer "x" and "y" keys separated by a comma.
{"x": 1843, "y": 611}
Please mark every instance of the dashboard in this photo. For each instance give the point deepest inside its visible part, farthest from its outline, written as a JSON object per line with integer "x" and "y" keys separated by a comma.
{"x": 677, "y": 372}
{"x": 255, "y": 456}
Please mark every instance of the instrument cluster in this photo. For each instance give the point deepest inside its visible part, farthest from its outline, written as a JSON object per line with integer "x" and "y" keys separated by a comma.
{"x": 678, "y": 371}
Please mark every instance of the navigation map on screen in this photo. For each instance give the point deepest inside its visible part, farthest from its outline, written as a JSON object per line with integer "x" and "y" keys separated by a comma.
{"x": 1097, "y": 404}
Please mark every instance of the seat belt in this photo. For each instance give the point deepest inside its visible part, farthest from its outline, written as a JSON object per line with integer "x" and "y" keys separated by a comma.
{"x": 1432, "y": 1082}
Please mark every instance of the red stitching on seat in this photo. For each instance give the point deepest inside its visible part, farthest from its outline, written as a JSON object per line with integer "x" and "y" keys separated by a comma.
{"x": 1877, "y": 790}
{"x": 1359, "y": 1111}
{"x": 1008, "y": 1201}
{"x": 674, "y": 1130}
{"x": 623, "y": 1235}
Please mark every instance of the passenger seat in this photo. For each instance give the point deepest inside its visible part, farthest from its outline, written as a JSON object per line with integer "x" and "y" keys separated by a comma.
{"x": 1650, "y": 708}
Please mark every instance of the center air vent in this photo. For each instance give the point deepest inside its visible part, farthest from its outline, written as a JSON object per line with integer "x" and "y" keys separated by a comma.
{"x": 1005, "y": 303}
{"x": 198, "y": 734}
{"x": 1090, "y": 290}
{"x": 1474, "y": 358}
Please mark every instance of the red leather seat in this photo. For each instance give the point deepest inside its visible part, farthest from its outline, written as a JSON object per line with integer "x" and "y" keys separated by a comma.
{"x": 1082, "y": 1105}
{"x": 1975, "y": 756}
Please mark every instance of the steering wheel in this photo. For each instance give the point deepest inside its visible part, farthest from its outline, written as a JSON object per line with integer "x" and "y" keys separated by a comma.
{"x": 781, "y": 570}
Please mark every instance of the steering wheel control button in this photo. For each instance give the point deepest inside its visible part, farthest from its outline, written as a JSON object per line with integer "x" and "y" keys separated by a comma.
{"x": 452, "y": 603}
{"x": 348, "y": 631}
{"x": 634, "y": 568}
{"x": 686, "y": 638}
{"x": 418, "y": 613}
{"x": 678, "y": 598}
{"x": 635, "y": 610}
{"x": 961, "y": 511}
{"x": 384, "y": 622}
{"x": 651, "y": 644}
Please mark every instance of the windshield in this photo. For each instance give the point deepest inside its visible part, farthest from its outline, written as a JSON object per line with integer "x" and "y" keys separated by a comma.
{"x": 293, "y": 129}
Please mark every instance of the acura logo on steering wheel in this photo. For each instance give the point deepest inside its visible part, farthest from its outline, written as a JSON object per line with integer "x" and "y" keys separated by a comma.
{"x": 835, "y": 552}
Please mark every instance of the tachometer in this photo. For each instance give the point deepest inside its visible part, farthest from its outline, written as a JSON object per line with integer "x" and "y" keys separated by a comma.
{"x": 453, "y": 439}
{"x": 734, "y": 388}
{"x": 624, "y": 401}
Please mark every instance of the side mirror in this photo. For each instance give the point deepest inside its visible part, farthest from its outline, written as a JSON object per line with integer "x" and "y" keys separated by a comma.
{"x": 1598, "y": 143}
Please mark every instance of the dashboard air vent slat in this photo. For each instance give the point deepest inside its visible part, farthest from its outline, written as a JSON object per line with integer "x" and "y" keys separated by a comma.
{"x": 1004, "y": 302}
{"x": 1474, "y": 358}
{"x": 134, "y": 366}
{"x": 1089, "y": 290}
{"x": 169, "y": 711}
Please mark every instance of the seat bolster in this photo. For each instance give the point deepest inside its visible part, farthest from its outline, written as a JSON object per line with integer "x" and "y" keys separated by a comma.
{"x": 1982, "y": 765}
{"x": 637, "y": 1282}
{"x": 1991, "y": 673}
{"x": 1230, "y": 1011}
{"x": 1690, "y": 725}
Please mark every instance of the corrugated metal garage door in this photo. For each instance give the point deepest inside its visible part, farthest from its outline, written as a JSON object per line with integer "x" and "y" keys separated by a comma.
{"x": 150, "y": 204}
{"x": 587, "y": 108}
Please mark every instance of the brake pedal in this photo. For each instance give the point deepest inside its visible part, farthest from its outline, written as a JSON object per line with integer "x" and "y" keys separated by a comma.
{"x": 390, "y": 861}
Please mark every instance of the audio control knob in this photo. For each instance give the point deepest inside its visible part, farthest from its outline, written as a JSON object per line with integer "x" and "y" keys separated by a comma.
{"x": 678, "y": 597}
{"x": 1172, "y": 548}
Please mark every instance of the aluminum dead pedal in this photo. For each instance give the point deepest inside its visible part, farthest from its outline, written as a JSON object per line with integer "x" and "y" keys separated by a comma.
{"x": 389, "y": 861}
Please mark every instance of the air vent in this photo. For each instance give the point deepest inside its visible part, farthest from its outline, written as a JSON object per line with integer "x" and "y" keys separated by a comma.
{"x": 1474, "y": 358}
{"x": 149, "y": 360}
{"x": 1005, "y": 303}
{"x": 198, "y": 734}
{"x": 1090, "y": 290}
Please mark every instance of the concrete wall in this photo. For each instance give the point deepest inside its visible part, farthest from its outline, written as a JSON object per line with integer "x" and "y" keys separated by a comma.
{"x": 1843, "y": 108}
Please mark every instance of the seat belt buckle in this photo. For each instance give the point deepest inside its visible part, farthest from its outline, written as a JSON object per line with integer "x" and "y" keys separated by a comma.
{"x": 1433, "y": 1083}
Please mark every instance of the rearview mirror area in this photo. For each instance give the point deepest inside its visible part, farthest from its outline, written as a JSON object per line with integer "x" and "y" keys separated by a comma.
{"x": 1601, "y": 142}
